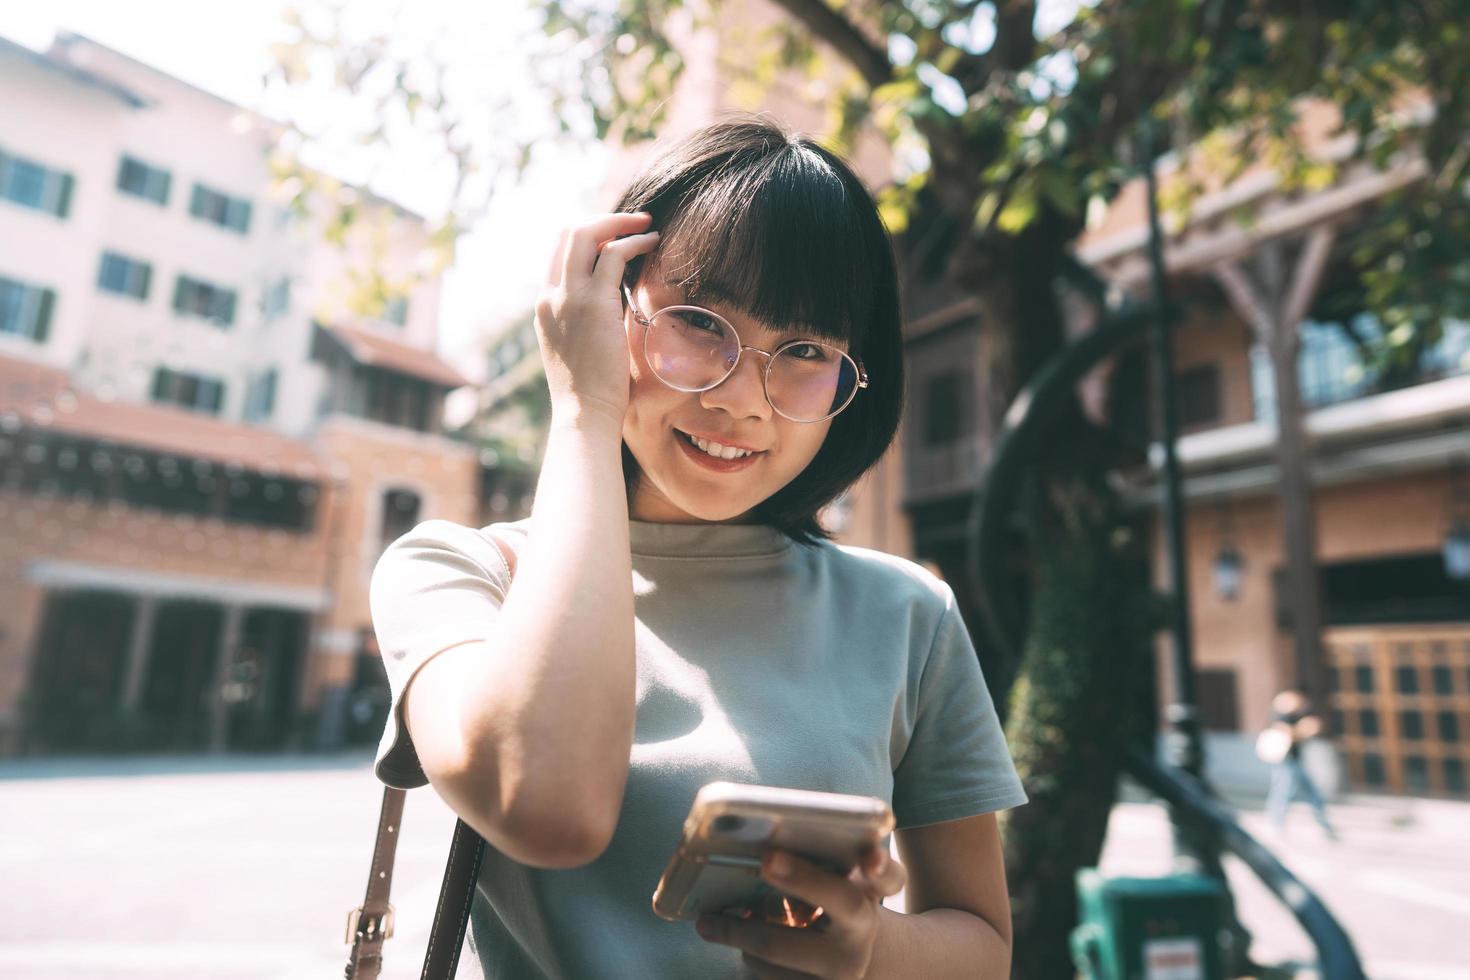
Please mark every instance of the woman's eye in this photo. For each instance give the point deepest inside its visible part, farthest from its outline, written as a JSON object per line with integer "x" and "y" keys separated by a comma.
{"x": 701, "y": 321}
{"x": 808, "y": 352}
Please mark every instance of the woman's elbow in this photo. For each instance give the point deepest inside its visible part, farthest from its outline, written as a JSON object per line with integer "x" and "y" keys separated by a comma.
{"x": 547, "y": 826}
{"x": 556, "y": 836}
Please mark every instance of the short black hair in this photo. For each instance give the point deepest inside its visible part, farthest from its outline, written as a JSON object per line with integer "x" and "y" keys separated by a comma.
{"x": 781, "y": 229}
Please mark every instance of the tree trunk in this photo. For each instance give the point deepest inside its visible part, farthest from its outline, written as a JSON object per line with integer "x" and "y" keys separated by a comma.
{"x": 1074, "y": 706}
{"x": 1076, "y": 696}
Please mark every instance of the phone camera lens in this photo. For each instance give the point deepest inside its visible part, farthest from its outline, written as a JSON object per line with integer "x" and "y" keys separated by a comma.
{"x": 728, "y": 823}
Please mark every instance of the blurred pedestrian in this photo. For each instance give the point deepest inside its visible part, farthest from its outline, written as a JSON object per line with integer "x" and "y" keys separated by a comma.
{"x": 1292, "y": 724}
{"x": 724, "y": 358}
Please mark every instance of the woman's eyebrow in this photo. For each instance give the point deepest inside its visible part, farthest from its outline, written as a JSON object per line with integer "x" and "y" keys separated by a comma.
{"x": 715, "y": 293}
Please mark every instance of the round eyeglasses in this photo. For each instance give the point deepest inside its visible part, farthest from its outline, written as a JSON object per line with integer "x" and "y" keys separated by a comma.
{"x": 693, "y": 349}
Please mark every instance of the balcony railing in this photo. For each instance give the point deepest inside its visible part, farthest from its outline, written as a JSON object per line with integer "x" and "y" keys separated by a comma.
{"x": 1333, "y": 369}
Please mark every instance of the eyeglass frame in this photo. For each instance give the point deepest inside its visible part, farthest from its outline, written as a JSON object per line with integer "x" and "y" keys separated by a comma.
{"x": 647, "y": 321}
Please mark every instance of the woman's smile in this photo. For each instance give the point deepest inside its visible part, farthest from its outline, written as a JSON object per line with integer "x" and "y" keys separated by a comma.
{"x": 716, "y": 456}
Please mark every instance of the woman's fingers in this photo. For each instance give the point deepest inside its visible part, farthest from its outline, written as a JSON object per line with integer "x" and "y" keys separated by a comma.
{"x": 802, "y": 950}
{"x": 839, "y": 897}
{"x": 613, "y": 260}
{"x": 850, "y": 904}
{"x": 584, "y": 241}
{"x": 880, "y": 874}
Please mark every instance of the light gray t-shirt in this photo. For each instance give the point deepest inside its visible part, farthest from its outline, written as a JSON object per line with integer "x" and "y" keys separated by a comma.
{"x": 758, "y": 661}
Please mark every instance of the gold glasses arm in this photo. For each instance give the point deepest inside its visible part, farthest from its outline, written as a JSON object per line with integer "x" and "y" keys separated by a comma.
{"x": 637, "y": 313}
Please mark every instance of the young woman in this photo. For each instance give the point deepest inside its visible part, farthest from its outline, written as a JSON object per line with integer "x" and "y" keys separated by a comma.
{"x": 724, "y": 358}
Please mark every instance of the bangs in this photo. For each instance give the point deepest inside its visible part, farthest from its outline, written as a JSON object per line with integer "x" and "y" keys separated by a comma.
{"x": 780, "y": 239}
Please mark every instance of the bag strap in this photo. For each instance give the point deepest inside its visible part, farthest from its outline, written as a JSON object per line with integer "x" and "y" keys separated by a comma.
{"x": 456, "y": 895}
{"x": 371, "y": 923}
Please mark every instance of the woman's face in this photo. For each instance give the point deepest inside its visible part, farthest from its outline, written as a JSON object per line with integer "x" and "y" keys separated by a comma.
{"x": 681, "y": 483}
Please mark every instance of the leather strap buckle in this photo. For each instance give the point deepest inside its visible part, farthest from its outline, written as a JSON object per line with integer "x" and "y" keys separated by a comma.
{"x": 371, "y": 927}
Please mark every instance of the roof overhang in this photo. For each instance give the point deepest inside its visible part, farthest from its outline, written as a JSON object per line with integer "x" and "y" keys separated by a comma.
{"x": 41, "y": 398}
{"x": 371, "y": 348}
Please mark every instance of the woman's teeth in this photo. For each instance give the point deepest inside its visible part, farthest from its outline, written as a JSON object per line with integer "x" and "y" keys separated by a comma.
{"x": 717, "y": 450}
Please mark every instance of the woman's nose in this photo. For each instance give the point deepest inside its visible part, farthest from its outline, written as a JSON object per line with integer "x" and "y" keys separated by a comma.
{"x": 743, "y": 393}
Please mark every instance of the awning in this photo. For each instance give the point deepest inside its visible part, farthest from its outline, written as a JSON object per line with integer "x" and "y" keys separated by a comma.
{"x": 371, "y": 348}
{"x": 40, "y": 397}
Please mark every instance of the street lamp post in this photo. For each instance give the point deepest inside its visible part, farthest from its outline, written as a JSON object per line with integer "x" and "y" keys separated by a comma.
{"x": 1196, "y": 845}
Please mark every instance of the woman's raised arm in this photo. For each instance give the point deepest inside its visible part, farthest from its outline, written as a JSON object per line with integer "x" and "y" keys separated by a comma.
{"x": 527, "y": 734}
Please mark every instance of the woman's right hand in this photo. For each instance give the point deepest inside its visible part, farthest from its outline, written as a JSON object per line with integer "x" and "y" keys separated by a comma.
{"x": 579, "y": 316}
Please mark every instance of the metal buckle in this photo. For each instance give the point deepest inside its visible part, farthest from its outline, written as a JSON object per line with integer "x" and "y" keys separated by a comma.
{"x": 382, "y": 925}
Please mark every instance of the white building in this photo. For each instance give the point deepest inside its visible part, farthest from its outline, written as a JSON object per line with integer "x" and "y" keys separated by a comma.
{"x": 202, "y": 452}
{"x": 148, "y": 252}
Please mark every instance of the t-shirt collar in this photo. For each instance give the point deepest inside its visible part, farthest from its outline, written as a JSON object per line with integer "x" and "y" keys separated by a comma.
{"x": 705, "y": 540}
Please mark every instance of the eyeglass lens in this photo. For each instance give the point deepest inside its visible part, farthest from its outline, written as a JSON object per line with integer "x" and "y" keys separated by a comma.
{"x": 693, "y": 350}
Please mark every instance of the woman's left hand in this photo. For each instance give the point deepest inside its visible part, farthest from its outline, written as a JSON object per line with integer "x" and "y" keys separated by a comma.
{"x": 850, "y": 905}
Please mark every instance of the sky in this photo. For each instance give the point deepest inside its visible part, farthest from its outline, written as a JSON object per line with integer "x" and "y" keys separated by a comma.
{"x": 222, "y": 46}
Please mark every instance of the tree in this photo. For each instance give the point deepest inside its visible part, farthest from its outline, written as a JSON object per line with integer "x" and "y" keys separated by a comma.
{"x": 429, "y": 98}
{"x": 1026, "y": 113}
{"x": 1012, "y": 119}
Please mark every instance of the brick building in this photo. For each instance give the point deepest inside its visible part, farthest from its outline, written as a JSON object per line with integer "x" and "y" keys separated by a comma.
{"x": 1389, "y": 472}
{"x": 1387, "y": 461}
{"x": 201, "y": 453}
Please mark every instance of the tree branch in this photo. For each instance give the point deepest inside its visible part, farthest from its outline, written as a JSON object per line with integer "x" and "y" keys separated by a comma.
{"x": 1014, "y": 48}
{"x": 1015, "y": 34}
{"x": 843, "y": 35}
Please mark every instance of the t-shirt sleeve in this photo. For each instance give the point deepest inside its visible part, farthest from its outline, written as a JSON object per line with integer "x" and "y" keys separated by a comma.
{"x": 956, "y": 763}
{"x": 439, "y": 586}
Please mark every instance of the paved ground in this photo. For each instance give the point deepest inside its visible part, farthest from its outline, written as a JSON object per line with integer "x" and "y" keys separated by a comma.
{"x": 1398, "y": 880}
{"x": 170, "y": 869}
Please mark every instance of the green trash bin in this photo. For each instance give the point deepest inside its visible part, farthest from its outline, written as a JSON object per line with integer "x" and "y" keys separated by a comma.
{"x": 1149, "y": 928}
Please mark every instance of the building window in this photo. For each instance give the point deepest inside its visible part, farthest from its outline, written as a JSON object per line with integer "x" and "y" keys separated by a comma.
{"x": 1333, "y": 368}
{"x": 260, "y": 399}
{"x": 198, "y": 298}
{"x": 137, "y": 178}
{"x": 395, "y": 310}
{"x": 32, "y": 185}
{"x": 276, "y": 299}
{"x": 125, "y": 276}
{"x": 26, "y": 310}
{"x": 400, "y": 514}
{"x": 192, "y": 391}
{"x": 1198, "y": 393}
{"x": 946, "y": 407}
{"x": 1330, "y": 369}
{"x": 395, "y": 399}
{"x": 1219, "y": 706}
{"x": 220, "y": 209}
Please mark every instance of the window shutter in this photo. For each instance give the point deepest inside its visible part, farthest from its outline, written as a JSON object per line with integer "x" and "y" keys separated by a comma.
{"x": 225, "y": 305}
{"x": 240, "y": 216}
{"x": 63, "y": 197}
{"x": 42, "y": 328}
{"x": 196, "y": 202}
{"x": 145, "y": 279}
{"x": 163, "y": 179}
{"x": 179, "y": 285}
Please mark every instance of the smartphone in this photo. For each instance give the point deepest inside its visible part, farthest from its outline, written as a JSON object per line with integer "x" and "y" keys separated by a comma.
{"x": 716, "y": 866}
